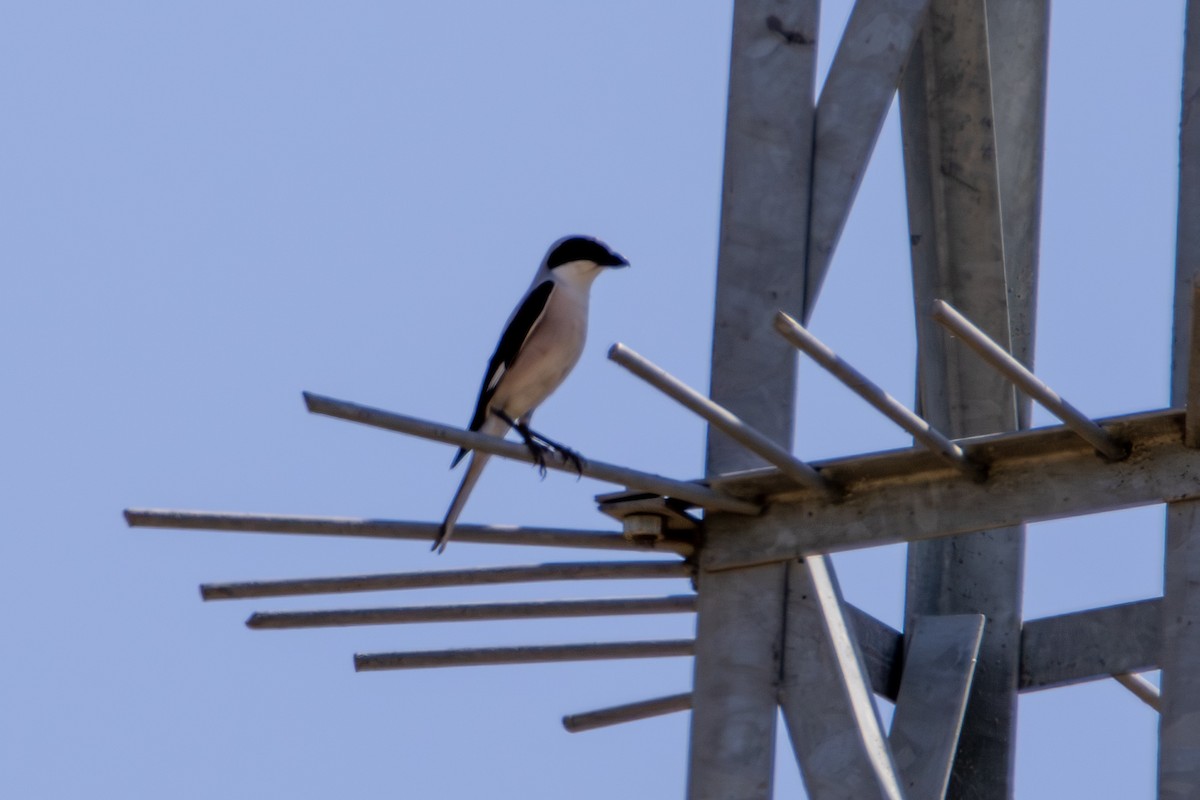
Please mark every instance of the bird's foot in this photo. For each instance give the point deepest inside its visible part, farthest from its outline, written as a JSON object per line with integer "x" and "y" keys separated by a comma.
{"x": 539, "y": 445}
{"x": 565, "y": 452}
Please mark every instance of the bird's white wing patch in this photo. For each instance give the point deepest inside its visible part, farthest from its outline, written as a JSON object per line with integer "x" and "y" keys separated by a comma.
{"x": 496, "y": 376}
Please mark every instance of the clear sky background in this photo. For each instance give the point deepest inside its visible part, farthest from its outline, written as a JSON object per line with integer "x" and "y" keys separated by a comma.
{"x": 206, "y": 208}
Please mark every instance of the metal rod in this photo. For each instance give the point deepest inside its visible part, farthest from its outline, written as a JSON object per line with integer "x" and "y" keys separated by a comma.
{"x": 1026, "y": 381}
{"x": 692, "y": 492}
{"x": 472, "y": 612}
{"x": 889, "y": 406}
{"x": 1143, "y": 689}
{"x": 629, "y": 712}
{"x": 390, "y": 529}
{"x": 570, "y": 571}
{"x": 369, "y": 662}
{"x": 1191, "y": 423}
{"x": 719, "y": 417}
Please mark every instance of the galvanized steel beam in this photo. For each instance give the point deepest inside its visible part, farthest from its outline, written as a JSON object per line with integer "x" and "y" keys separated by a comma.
{"x": 1090, "y": 645}
{"x": 957, "y": 238}
{"x": 1018, "y": 42}
{"x": 739, "y": 632}
{"x": 911, "y": 496}
{"x": 1191, "y": 432}
{"x": 761, "y": 257}
{"x": 1179, "y": 724}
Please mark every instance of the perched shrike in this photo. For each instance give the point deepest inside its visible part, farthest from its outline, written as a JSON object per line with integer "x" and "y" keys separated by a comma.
{"x": 541, "y": 343}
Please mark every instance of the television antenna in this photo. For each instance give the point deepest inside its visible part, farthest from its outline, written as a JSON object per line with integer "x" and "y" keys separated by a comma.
{"x": 754, "y": 534}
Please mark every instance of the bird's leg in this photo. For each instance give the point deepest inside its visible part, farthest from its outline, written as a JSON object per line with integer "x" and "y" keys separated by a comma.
{"x": 539, "y": 444}
{"x": 536, "y": 450}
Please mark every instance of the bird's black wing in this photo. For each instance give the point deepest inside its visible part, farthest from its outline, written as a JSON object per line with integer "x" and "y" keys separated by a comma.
{"x": 522, "y": 324}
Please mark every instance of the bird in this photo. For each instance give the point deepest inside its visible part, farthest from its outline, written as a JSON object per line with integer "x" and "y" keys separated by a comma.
{"x": 542, "y": 341}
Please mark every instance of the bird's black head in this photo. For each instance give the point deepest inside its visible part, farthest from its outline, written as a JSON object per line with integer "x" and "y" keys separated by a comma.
{"x": 583, "y": 248}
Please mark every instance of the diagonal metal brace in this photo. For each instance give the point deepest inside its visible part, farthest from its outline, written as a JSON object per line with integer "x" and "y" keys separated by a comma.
{"x": 825, "y": 696}
{"x": 938, "y": 669}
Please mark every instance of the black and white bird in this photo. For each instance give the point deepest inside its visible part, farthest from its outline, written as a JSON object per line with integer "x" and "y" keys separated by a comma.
{"x": 541, "y": 343}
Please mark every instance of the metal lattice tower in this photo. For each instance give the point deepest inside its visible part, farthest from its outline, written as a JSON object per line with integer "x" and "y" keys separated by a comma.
{"x": 773, "y": 632}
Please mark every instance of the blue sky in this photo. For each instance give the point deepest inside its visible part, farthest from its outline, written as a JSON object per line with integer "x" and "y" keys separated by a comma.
{"x": 209, "y": 207}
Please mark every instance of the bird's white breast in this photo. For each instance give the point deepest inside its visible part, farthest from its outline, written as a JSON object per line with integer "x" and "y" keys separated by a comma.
{"x": 549, "y": 354}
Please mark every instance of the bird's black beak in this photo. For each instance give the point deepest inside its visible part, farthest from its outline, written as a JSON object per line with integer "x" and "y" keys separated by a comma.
{"x": 615, "y": 260}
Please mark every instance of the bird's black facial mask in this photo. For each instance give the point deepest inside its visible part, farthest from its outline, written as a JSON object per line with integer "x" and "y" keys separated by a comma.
{"x": 584, "y": 248}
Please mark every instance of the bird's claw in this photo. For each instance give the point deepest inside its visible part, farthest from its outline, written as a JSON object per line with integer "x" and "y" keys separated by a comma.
{"x": 576, "y": 460}
{"x": 538, "y": 452}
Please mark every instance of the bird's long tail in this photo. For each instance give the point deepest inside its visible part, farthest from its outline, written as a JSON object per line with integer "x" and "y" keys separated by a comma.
{"x": 493, "y": 426}
{"x": 474, "y": 469}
